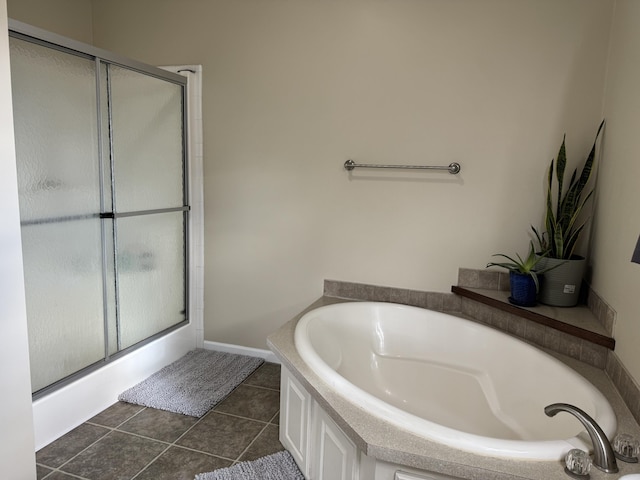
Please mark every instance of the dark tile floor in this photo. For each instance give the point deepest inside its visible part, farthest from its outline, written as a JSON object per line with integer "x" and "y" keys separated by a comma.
{"x": 127, "y": 442}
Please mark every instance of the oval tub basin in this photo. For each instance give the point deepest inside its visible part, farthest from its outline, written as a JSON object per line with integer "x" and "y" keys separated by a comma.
{"x": 449, "y": 380}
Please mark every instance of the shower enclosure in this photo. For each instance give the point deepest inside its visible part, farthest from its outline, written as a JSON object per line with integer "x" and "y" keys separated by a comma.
{"x": 101, "y": 149}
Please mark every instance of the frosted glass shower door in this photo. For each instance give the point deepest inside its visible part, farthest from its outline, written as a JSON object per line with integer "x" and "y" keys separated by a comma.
{"x": 149, "y": 203}
{"x": 100, "y": 143}
{"x": 59, "y": 186}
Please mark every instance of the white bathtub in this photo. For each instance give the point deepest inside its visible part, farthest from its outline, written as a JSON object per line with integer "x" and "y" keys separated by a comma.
{"x": 449, "y": 380}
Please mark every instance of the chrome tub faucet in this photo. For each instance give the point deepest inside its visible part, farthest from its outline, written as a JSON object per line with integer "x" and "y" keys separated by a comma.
{"x": 603, "y": 456}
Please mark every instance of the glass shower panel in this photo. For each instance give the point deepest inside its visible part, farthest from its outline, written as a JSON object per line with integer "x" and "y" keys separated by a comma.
{"x": 148, "y": 152}
{"x": 151, "y": 272}
{"x": 56, "y": 135}
{"x": 63, "y": 283}
{"x": 59, "y": 179}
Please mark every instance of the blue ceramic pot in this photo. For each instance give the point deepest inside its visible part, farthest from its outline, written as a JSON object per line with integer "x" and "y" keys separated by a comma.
{"x": 523, "y": 290}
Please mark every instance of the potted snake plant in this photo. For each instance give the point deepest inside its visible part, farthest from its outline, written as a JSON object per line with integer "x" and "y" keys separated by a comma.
{"x": 524, "y": 276}
{"x": 564, "y": 223}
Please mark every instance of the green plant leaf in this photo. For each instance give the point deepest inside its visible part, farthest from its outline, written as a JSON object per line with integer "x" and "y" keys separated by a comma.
{"x": 572, "y": 240}
{"x": 536, "y": 281}
{"x": 588, "y": 165}
{"x": 525, "y": 266}
{"x": 561, "y": 164}
{"x": 542, "y": 241}
{"x": 558, "y": 243}
{"x": 562, "y": 216}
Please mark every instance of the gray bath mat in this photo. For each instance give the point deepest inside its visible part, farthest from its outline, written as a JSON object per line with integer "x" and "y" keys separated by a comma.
{"x": 279, "y": 466}
{"x": 193, "y": 384}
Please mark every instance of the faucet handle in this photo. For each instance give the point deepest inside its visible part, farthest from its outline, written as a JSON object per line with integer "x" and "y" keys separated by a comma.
{"x": 626, "y": 448}
{"x": 578, "y": 463}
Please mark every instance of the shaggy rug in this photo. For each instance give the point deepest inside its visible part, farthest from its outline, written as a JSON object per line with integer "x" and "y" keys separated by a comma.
{"x": 278, "y": 466}
{"x": 193, "y": 384}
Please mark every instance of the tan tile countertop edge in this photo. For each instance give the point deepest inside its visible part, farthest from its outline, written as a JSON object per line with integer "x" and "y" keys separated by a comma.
{"x": 386, "y": 442}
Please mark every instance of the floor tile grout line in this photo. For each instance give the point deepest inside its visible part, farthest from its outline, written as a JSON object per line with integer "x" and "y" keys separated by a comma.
{"x": 55, "y": 470}
{"x": 153, "y": 460}
{"x": 144, "y": 437}
{"x": 240, "y": 416}
{"x": 260, "y": 386}
{"x": 209, "y": 454}
{"x": 176, "y": 445}
{"x": 117, "y": 429}
{"x": 110, "y": 431}
{"x": 59, "y": 467}
{"x": 173, "y": 444}
{"x": 66, "y": 474}
{"x": 275, "y": 415}
{"x": 200, "y": 419}
{"x": 168, "y": 444}
{"x": 250, "y": 443}
{"x": 142, "y": 409}
{"x": 214, "y": 411}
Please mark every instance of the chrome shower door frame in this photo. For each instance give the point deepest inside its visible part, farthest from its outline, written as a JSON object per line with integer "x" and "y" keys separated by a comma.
{"x": 108, "y": 213}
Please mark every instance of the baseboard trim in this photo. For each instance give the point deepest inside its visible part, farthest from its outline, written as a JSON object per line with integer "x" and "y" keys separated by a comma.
{"x": 267, "y": 355}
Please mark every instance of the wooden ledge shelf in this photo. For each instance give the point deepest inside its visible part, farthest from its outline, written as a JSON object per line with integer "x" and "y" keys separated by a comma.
{"x": 577, "y": 321}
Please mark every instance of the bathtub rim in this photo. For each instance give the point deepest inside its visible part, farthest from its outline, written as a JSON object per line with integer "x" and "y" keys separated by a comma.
{"x": 543, "y": 450}
{"x": 381, "y": 442}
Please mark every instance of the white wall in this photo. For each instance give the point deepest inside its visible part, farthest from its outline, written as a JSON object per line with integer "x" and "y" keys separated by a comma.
{"x": 618, "y": 218}
{"x": 294, "y": 88}
{"x": 71, "y": 18}
{"x": 17, "y": 458}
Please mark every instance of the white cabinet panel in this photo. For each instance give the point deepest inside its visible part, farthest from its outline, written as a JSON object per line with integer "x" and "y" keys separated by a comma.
{"x": 392, "y": 471}
{"x": 336, "y": 454}
{"x": 410, "y": 476}
{"x": 295, "y": 412}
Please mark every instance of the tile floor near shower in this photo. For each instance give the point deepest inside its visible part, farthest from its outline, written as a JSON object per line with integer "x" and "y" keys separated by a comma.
{"x": 127, "y": 441}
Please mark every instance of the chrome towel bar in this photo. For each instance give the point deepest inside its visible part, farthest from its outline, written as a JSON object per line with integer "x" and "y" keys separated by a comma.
{"x": 452, "y": 168}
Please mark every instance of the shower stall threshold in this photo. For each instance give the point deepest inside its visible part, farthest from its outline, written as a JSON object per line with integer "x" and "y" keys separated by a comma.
{"x": 64, "y": 409}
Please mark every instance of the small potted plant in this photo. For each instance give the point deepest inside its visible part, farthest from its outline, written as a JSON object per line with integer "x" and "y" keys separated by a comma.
{"x": 564, "y": 222}
{"x": 524, "y": 277}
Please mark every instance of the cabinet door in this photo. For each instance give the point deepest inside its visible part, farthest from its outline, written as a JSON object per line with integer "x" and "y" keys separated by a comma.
{"x": 335, "y": 456}
{"x": 411, "y": 476}
{"x": 295, "y": 411}
{"x": 392, "y": 471}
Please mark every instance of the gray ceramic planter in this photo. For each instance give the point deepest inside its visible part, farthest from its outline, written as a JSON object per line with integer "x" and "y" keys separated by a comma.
{"x": 560, "y": 287}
